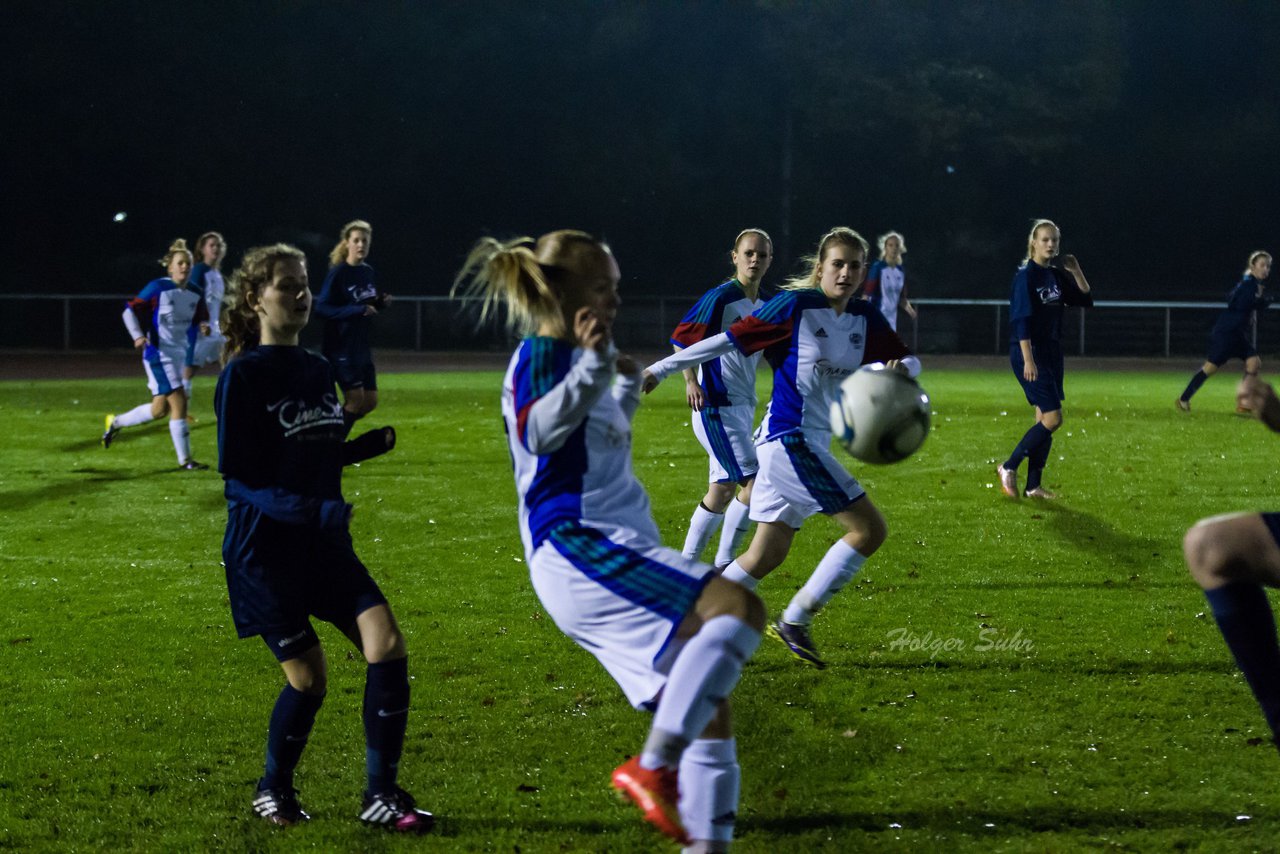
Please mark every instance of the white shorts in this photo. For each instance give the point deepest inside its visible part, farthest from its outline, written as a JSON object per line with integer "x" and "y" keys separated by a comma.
{"x": 205, "y": 350}
{"x": 797, "y": 480}
{"x": 620, "y": 604}
{"x": 725, "y": 433}
{"x": 164, "y": 370}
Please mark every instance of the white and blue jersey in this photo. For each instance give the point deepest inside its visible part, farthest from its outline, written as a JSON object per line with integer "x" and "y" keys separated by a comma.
{"x": 168, "y": 315}
{"x": 885, "y": 289}
{"x": 729, "y": 380}
{"x": 208, "y": 282}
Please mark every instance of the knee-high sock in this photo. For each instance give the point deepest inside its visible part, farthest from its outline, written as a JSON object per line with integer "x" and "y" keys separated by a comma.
{"x": 1244, "y": 616}
{"x": 1029, "y": 442}
{"x": 703, "y": 674}
{"x": 386, "y": 716}
{"x": 290, "y": 727}
{"x": 1036, "y": 462}
{"x": 181, "y": 436}
{"x": 140, "y": 414}
{"x": 841, "y": 563}
{"x": 735, "y": 573}
{"x": 1197, "y": 380}
{"x": 737, "y": 521}
{"x": 710, "y": 778}
{"x": 702, "y": 527}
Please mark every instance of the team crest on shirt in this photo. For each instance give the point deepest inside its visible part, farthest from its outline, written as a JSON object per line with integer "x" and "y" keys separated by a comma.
{"x": 295, "y": 416}
{"x": 1049, "y": 293}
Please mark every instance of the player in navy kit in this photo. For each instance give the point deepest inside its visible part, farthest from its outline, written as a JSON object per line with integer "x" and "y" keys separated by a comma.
{"x": 288, "y": 550}
{"x": 1036, "y": 304}
{"x": 1229, "y": 338}
{"x": 673, "y": 634}
{"x": 886, "y": 285}
{"x": 722, "y": 395}
{"x": 163, "y": 319}
{"x": 347, "y": 301}
{"x": 1234, "y": 558}
{"x": 206, "y": 278}
{"x": 813, "y": 334}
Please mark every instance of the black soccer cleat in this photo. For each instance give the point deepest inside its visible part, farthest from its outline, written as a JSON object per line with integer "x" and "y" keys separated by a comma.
{"x": 279, "y": 806}
{"x": 395, "y": 810}
{"x": 110, "y": 433}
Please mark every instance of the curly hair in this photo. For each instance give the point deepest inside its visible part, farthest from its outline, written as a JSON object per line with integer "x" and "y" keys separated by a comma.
{"x": 239, "y": 319}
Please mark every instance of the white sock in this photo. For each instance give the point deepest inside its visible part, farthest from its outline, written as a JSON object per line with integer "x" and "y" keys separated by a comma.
{"x": 710, "y": 778}
{"x": 737, "y": 521}
{"x": 134, "y": 417}
{"x": 703, "y": 674}
{"x": 701, "y": 528}
{"x": 735, "y": 573}
{"x": 181, "y": 439}
{"x": 841, "y": 563}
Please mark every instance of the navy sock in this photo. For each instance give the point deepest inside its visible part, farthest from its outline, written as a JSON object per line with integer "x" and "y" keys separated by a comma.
{"x": 287, "y": 734}
{"x": 1249, "y": 628}
{"x": 386, "y": 715}
{"x": 1036, "y": 461}
{"x": 1029, "y": 442}
{"x": 1194, "y": 385}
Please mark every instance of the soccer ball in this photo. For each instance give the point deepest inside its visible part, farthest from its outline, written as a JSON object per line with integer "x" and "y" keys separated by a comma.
{"x": 880, "y": 415}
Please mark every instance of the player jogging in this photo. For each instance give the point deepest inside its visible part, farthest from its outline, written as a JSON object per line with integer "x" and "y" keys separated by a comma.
{"x": 206, "y": 278}
{"x": 886, "y": 286}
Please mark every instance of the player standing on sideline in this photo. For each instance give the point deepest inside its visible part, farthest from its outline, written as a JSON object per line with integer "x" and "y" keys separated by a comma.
{"x": 1234, "y": 558}
{"x": 1229, "y": 338}
{"x": 162, "y": 320}
{"x": 722, "y": 395}
{"x": 348, "y": 298}
{"x": 1036, "y": 304}
{"x": 814, "y": 334}
{"x": 886, "y": 285}
{"x": 287, "y": 549}
{"x": 670, "y": 632}
{"x": 206, "y": 278}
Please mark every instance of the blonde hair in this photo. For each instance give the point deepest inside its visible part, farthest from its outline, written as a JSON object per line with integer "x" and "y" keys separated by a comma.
{"x": 838, "y": 236}
{"x": 175, "y": 247}
{"x": 1254, "y": 256}
{"x": 760, "y": 231}
{"x": 339, "y": 252}
{"x": 239, "y": 319}
{"x": 200, "y": 241}
{"x": 884, "y": 238}
{"x": 1036, "y": 225}
{"x": 526, "y": 276}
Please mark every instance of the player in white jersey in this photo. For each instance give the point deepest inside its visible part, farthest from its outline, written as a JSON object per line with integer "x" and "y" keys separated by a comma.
{"x": 814, "y": 334}
{"x": 722, "y": 395}
{"x": 670, "y": 631}
{"x": 163, "y": 319}
{"x": 206, "y": 277}
{"x": 886, "y": 285}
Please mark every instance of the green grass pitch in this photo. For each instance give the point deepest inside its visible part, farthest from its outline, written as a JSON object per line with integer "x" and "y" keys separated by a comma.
{"x": 1065, "y": 690}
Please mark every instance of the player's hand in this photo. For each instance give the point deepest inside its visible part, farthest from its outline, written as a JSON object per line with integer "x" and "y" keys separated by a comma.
{"x": 897, "y": 365}
{"x": 626, "y": 365}
{"x": 370, "y": 311}
{"x": 206, "y": 330}
{"x": 385, "y": 299}
{"x": 911, "y": 310}
{"x": 694, "y": 394}
{"x": 1029, "y": 372}
{"x": 139, "y": 343}
{"x": 1260, "y": 399}
{"x": 648, "y": 382}
{"x": 1070, "y": 264}
{"x": 589, "y": 331}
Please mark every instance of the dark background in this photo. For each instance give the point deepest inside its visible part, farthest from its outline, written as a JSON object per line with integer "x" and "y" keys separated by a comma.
{"x": 1148, "y": 131}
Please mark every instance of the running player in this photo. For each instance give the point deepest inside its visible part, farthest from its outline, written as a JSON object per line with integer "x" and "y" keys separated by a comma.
{"x": 673, "y": 634}
{"x": 886, "y": 285}
{"x": 1230, "y": 338}
{"x": 206, "y": 278}
{"x": 288, "y": 550}
{"x": 162, "y": 320}
{"x": 814, "y": 334}
{"x": 1039, "y": 296}
{"x": 722, "y": 395}
{"x": 348, "y": 299}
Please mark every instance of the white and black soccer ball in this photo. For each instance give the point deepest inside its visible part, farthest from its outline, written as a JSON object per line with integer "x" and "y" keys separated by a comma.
{"x": 880, "y": 415}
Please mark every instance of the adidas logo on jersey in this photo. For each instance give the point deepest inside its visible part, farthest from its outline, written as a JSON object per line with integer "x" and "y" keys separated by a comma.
{"x": 821, "y": 333}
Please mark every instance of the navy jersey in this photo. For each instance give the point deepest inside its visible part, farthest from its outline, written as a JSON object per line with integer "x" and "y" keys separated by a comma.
{"x": 342, "y": 300}
{"x": 1036, "y": 303}
{"x": 1241, "y": 303}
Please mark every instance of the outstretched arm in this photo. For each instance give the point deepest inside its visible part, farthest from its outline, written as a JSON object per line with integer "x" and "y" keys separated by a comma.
{"x": 689, "y": 357}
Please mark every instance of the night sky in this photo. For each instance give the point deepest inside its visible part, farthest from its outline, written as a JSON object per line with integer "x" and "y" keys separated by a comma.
{"x": 1148, "y": 131}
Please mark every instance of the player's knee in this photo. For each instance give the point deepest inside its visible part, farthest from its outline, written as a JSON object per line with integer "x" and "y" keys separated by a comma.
{"x": 1052, "y": 420}
{"x": 384, "y": 646}
{"x": 1209, "y": 557}
{"x": 309, "y": 680}
{"x": 718, "y": 496}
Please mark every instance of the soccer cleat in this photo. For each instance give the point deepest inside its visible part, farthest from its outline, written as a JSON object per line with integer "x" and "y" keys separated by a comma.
{"x": 1040, "y": 492}
{"x": 1184, "y": 405}
{"x": 396, "y": 810}
{"x": 796, "y": 637}
{"x": 192, "y": 465}
{"x": 111, "y": 430}
{"x": 1008, "y": 481}
{"x": 656, "y": 791}
{"x": 279, "y": 806}
{"x": 1243, "y": 410}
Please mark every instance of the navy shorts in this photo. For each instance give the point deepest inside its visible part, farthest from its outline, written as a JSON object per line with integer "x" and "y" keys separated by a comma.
{"x": 1224, "y": 348}
{"x": 1046, "y": 391}
{"x": 361, "y": 376}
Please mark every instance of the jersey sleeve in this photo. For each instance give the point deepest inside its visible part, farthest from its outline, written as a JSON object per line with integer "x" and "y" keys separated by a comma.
{"x": 883, "y": 344}
{"x": 1020, "y": 307}
{"x": 1070, "y": 288}
{"x": 771, "y": 324}
{"x": 702, "y": 320}
{"x": 553, "y": 394}
{"x": 332, "y": 302}
{"x": 138, "y": 311}
{"x": 871, "y": 287}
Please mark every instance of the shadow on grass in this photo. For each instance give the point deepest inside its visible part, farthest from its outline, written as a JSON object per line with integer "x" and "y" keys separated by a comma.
{"x": 90, "y": 482}
{"x": 1091, "y": 533}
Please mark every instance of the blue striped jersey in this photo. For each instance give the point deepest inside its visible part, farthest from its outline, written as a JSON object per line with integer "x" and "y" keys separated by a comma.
{"x": 728, "y": 380}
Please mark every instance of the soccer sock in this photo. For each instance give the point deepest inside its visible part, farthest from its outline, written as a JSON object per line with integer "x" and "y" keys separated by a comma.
{"x": 186, "y": 388}
{"x": 710, "y": 778}
{"x": 735, "y": 573}
{"x": 1249, "y": 628}
{"x": 138, "y": 415}
{"x": 1036, "y": 461}
{"x": 386, "y": 716}
{"x": 737, "y": 521}
{"x": 702, "y": 527}
{"x": 1028, "y": 443}
{"x": 1194, "y": 385}
{"x": 181, "y": 435}
{"x": 287, "y": 735}
{"x": 841, "y": 563}
{"x": 704, "y": 673}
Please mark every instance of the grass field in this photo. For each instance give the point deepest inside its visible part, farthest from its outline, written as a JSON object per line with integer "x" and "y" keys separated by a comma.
{"x": 1066, "y": 690}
